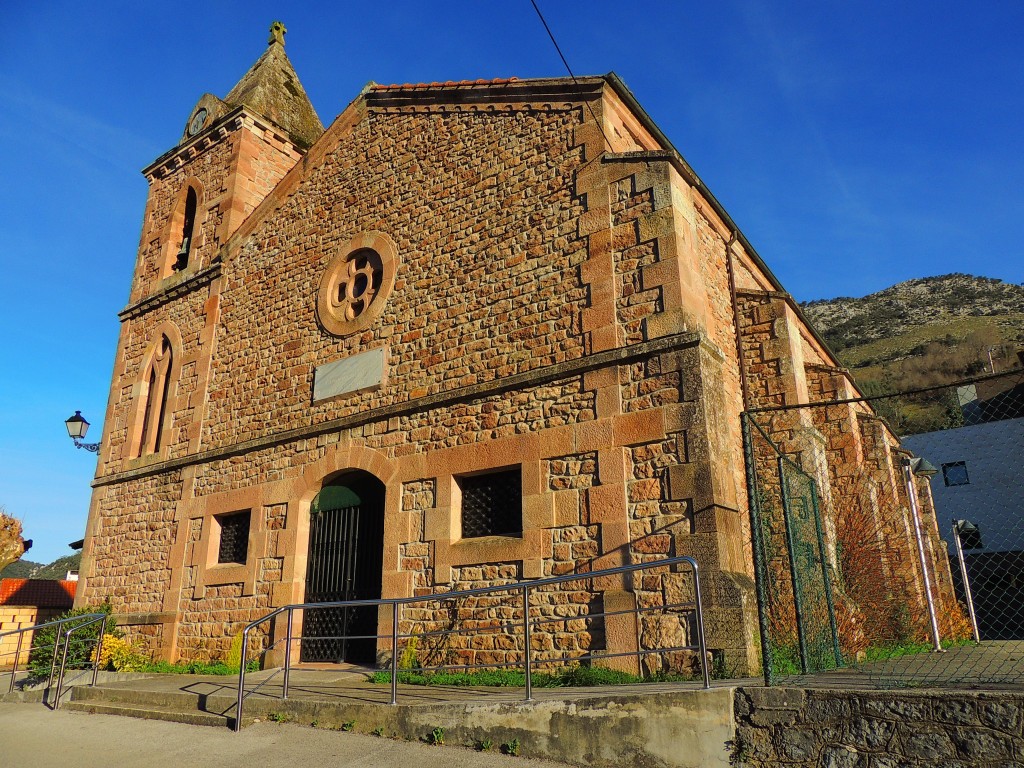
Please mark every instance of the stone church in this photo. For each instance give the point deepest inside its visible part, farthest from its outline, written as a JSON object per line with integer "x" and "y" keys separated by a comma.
{"x": 477, "y": 332}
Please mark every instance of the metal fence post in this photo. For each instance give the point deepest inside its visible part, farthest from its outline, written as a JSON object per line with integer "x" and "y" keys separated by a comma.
{"x": 99, "y": 651}
{"x": 836, "y": 650}
{"x": 791, "y": 550}
{"x": 394, "y": 653}
{"x": 63, "y": 664}
{"x": 699, "y": 604}
{"x": 919, "y": 535}
{"x": 17, "y": 656}
{"x": 760, "y": 566}
{"x": 526, "y": 642}
{"x": 53, "y": 659}
{"x": 963, "y": 576}
{"x": 241, "y": 680}
{"x": 287, "y": 654}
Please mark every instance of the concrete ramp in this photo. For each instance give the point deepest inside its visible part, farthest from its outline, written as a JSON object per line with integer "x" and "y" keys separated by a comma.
{"x": 655, "y": 726}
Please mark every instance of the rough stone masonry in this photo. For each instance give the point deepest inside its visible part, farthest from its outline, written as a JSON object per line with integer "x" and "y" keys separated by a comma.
{"x": 510, "y": 290}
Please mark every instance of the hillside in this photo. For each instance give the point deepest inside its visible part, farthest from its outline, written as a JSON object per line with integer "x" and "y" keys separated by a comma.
{"x": 58, "y": 569}
{"x": 924, "y": 332}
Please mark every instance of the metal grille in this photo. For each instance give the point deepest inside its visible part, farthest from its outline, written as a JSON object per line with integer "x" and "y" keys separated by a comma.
{"x": 331, "y": 577}
{"x": 234, "y": 538}
{"x": 492, "y": 504}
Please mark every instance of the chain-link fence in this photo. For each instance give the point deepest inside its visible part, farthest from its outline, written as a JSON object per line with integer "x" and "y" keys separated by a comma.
{"x": 888, "y": 527}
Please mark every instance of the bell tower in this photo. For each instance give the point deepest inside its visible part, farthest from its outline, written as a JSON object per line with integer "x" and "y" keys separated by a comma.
{"x": 232, "y": 152}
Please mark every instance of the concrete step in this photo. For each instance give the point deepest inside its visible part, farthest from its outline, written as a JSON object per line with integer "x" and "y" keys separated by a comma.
{"x": 176, "y": 699}
{"x": 151, "y": 712}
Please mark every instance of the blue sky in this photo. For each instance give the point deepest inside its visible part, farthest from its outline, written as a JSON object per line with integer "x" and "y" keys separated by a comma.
{"x": 855, "y": 145}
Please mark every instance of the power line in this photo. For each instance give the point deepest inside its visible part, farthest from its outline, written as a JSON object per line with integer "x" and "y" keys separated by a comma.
{"x": 553, "y": 41}
{"x": 569, "y": 70}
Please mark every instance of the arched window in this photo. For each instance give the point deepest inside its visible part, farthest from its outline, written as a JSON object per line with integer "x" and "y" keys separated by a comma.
{"x": 156, "y": 386}
{"x": 187, "y": 227}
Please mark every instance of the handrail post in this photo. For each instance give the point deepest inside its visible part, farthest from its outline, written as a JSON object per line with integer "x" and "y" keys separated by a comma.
{"x": 99, "y": 651}
{"x": 526, "y": 642}
{"x": 63, "y": 663}
{"x": 700, "y": 626}
{"x": 287, "y": 654}
{"x": 241, "y": 680}
{"x": 17, "y": 657}
{"x": 53, "y": 659}
{"x": 394, "y": 653}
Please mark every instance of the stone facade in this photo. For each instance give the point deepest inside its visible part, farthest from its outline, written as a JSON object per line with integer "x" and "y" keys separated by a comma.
{"x": 555, "y": 292}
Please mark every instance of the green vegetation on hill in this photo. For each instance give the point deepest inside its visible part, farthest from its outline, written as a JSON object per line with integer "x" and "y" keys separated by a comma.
{"x": 924, "y": 333}
{"x": 58, "y": 569}
{"x": 20, "y": 569}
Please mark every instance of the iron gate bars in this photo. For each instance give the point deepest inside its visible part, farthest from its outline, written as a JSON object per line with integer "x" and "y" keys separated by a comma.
{"x": 527, "y": 625}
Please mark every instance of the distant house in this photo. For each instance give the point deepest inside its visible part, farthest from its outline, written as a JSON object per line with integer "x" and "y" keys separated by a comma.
{"x": 980, "y": 481}
{"x": 25, "y": 602}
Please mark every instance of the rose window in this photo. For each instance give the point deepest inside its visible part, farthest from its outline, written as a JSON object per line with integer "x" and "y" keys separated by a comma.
{"x": 357, "y": 284}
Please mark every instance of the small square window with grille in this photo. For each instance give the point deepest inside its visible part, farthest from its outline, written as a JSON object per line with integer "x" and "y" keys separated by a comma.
{"x": 492, "y": 504}
{"x": 234, "y": 538}
{"x": 955, "y": 473}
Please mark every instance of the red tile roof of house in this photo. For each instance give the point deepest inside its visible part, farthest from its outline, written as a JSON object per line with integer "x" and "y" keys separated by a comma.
{"x": 42, "y": 593}
{"x": 445, "y": 84}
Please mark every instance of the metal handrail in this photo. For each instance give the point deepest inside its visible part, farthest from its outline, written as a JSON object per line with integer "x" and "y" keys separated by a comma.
{"x": 80, "y": 621}
{"x": 96, "y": 657}
{"x": 524, "y": 586}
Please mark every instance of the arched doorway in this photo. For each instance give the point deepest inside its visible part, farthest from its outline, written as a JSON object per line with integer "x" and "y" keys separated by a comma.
{"x": 346, "y": 548}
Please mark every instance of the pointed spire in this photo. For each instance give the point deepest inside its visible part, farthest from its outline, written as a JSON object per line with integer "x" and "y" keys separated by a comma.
{"x": 272, "y": 89}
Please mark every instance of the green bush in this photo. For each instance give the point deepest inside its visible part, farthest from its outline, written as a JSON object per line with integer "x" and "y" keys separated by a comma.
{"x": 79, "y": 649}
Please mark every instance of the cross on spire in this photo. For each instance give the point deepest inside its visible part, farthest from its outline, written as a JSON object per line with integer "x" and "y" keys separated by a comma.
{"x": 277, "y": 32}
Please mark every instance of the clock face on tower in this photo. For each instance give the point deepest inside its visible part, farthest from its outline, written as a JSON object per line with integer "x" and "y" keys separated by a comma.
{"x": 198, "y": 120}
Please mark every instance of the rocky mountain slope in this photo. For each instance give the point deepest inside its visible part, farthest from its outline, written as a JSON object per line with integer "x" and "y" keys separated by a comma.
{"x": 926, "y": 331}
{"x": 847, "y": 322}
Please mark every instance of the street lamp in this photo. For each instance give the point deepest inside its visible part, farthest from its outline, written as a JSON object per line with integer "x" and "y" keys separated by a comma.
{"x": 77, "y": 427}
{"x": 922, "y": 468}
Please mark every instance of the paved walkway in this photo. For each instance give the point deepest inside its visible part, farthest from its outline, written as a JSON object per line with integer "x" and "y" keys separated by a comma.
{"x": 344, "y": 683}
{"x": 31, "y": 735}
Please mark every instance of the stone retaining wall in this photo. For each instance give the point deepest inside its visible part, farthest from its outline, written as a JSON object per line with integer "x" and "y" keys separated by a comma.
{"x": 877, "y": 729}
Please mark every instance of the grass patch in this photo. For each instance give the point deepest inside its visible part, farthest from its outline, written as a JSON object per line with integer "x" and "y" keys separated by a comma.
{"x": 885, "y": 653}
{"x": 571, "y": 677}
{"x": 196, "y": 668}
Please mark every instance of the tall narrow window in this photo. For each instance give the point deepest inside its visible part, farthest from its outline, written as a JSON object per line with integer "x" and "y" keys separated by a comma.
{"x": 187, "y": 226}
{"x": 154, "y": 398}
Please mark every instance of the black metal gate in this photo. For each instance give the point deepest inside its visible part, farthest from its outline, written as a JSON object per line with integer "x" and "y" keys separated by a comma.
{"x": 345, "y": 552}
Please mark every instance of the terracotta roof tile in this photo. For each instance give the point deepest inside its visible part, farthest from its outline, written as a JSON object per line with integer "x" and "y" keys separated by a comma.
{"x": 445, "y": 84}
{"x": 42, "y": 593}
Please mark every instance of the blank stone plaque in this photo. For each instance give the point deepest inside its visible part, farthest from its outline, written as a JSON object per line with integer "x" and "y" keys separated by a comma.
{"x": 357, "y": 373}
